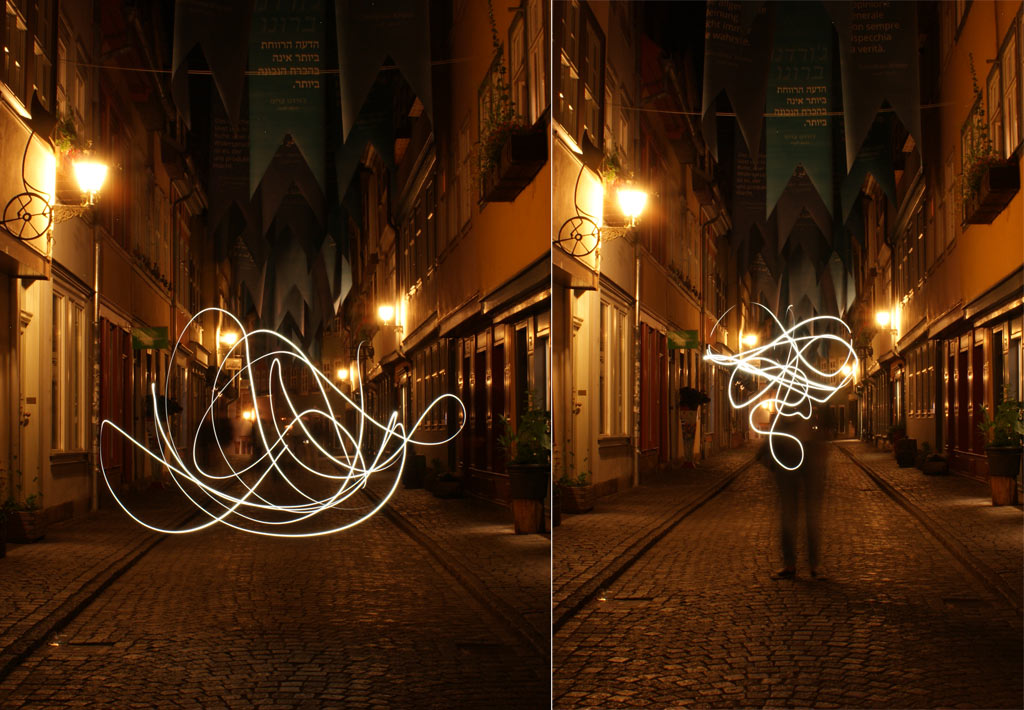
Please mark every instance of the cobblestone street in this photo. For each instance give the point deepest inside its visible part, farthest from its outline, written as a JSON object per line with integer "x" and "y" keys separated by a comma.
{"x": 361, "y": 619}
{"x": 696, "y": 620}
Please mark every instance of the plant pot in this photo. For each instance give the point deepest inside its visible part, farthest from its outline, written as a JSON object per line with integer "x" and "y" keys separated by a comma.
{"x": 444, "y": 488}
{"x": 577, "y": 499}
{"x": 529, "y": 481}
{"x": 1003, "y": 465}
{"x": 521, "y": 158}
{"x": 415, "y": 472}
{"x": 905, "y": 451}
{"x": 25, "y": 526}
{"x": 935, "y": 465}
{"x": 998, "y": 186}
{"x": 528, "y": 485}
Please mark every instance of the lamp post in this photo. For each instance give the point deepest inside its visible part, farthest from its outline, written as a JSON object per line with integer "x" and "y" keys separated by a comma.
{"x": 632, "y": 201}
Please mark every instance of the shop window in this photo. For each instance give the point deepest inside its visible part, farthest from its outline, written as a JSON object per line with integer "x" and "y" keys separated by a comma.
{"x": 614, "y": 382}
{"x": 68, "y": 375}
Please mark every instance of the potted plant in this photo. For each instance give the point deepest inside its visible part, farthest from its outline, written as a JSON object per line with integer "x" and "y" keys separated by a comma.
{"x": 446, "y": 483}
{"x": 904, "y": 449}
{"x": 1004, "y": 431}
{"x": 25, "y": 520}
{"x": 415, "y": 471}
{"x": 577, "y": 493}
{"x": 690, "y": 400}
{"x": 511, "y": 151}
{"x": 989, "y": 182}
{"x": 527, "y": 446}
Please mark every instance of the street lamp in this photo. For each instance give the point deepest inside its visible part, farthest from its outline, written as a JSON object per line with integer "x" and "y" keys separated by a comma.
{"x": 90, "y": 175}
{"x": 341, "y": 374}
{"x": 846, "y": 370}
{"x": 632, "y": 202}
{"x": 883, "y": 318}
{"x": 228, "y": 338}
{"x": 750, "y": 339}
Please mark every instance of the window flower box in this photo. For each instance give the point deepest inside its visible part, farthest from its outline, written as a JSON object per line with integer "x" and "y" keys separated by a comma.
{"x": 521, "y": 157}
{"x": 998, "y": 184}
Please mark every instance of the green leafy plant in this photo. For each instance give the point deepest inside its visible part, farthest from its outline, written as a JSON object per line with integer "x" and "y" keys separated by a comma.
{"x": 980, "y": 154}
{"x": 66, "y": 138}
{"x": 501, "y": 118}
{"x": 611, "y": 168}
{"x": 1005, "y": 427}
{"x": 583, "y": 479}
{"x": 530, "y": 441}
{"x": 690, "y": 398}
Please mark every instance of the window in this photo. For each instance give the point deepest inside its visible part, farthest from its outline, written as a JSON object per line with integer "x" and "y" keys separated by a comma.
{"x": 517, "y": 65}
{"x": 68, "y": 361}
{"x": 536, "y": 46}
{"x": 62, "y": 78}
{"x": 995, "y": 112}
{"x": 614, "y": 365}
{"x": 15, "y": 45}
{"x": 1011, "y": 126}
{"x": 950, "y": 203}
{"x": 463, "y": 178}
{"x": 580, "y": 89}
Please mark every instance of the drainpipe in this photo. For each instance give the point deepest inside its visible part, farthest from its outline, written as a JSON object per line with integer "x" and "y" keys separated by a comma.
{"x": 94, "y": 500}
{"x": 636, "y": 362}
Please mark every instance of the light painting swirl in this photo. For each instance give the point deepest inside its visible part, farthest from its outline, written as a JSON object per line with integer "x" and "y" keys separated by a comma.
{"x": 792, "y": 384}
{"x": 278, "y": 493}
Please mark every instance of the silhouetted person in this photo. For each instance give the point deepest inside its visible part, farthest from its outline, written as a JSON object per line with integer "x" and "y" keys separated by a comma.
{"x": 807, "y": 482}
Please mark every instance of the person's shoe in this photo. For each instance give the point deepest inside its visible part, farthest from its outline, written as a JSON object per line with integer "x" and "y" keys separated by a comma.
{"x": 785, "y": 573}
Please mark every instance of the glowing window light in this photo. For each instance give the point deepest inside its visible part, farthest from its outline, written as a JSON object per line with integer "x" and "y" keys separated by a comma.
{"x": 793, "y": 383}
{"x": 252, "y": 507}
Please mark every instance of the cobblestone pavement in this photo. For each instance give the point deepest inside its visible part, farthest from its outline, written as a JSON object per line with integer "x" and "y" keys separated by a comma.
{"x": 47, "y": 579}
{"x": 961, "y": 509}
{"x": 365, "y": 618}
{"x": 478, "y": 545}
{"x": 589, "y": 547}
{"x": 697, "y": 621}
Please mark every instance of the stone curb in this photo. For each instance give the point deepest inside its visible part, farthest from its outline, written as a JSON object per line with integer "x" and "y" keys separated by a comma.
{"x": 32, "y": 638}
{"x": 502, "y": 609}
{"x": 985, "y": 575}
{"x": 568, "y": 608}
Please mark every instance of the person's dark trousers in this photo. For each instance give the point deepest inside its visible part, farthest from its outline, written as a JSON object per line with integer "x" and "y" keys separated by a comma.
{"x": 807, "y": 482}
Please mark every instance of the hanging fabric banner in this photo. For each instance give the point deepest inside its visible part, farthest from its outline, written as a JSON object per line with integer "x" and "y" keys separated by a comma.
{"x": 370, "y": 31}
{"x": 874, "y": 157}
{"x": 202, "y": 22}
{"x": 799, "y": 96}
{"x": 748, "y": 195}
{"x": 286, "y": 86}
{"x": 735, "y": 61}
{"x": 878, "y": 48}
{"x": 286, "y": 171}
{"x": 799, "y": 196}
{"x": 229, "y": 167}
{"x": 374, "y": 125}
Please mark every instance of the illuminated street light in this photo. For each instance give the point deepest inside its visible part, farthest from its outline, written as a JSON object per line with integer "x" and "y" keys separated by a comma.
{"x": 342, "y": 373}
{"x": 228, "y": 338}
{"x": 846, "y": 370}
{"x": 386, "y": 313}
{"x": 750, "y": 339}
{"x": 632, "y": 202}
{"x": 90, "y": 175}
{"x": 883, "y": 318}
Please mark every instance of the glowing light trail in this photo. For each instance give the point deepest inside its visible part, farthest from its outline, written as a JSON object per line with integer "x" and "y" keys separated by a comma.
{"x": 794, "y": 385}
{"x": 254, "y": 506}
